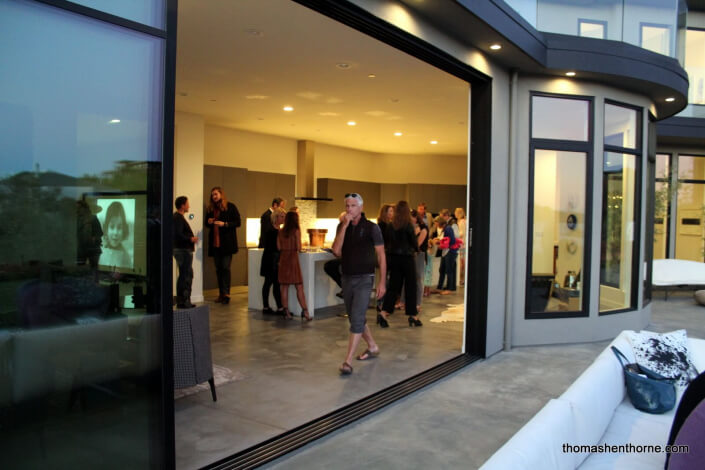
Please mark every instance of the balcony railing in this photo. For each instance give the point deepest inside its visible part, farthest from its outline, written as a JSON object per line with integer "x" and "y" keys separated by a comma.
{"x": 656, "y": 25}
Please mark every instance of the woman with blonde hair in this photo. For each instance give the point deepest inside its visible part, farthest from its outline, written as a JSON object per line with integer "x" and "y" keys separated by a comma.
{"x": 222, "y": 218}
{"x": 269, "y": 268}
{"x": 289, "y": 245}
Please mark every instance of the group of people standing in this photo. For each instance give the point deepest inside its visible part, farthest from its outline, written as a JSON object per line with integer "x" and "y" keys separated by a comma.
{"x": 411, "y": 240}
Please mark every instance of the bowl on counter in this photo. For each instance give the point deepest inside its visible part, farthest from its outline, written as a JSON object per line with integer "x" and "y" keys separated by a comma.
{"x": 317, "y": 236}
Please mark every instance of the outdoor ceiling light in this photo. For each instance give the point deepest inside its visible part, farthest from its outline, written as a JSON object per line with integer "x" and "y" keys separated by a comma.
{"x": 570, "y": 74}
{"x": 496, "y": 47}
{"x": 670, "y": 99}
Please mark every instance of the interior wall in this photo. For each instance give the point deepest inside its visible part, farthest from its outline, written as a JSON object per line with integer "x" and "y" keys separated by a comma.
{"x": 188, "y": 181}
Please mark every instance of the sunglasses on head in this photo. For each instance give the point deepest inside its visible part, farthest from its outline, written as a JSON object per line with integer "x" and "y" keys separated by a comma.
{"x": 351, "y": 195}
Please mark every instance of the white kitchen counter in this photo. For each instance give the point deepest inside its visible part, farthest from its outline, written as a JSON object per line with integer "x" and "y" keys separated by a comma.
{"x": 319, "y": 288}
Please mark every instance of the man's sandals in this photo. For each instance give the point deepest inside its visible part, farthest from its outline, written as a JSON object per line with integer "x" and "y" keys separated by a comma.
{"x": 345, "y": 369}
{"x": 368, "y": 355}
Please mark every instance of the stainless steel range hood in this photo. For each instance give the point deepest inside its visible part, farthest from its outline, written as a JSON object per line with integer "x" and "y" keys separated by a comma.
{"x": 305, "y": 182}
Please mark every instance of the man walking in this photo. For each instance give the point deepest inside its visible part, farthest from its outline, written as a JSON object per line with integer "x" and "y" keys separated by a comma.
{"x": 359, "y": 244}
{"x": 184, "y": 242}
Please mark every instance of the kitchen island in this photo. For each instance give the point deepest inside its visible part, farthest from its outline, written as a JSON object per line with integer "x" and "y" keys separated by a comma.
{"x": 319, "y": 288}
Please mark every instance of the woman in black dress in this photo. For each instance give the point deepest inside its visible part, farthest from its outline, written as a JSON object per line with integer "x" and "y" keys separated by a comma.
{"x": 222, "y": 218}
{"x": 270, "y": 262}
{"x": 401, "y": 245}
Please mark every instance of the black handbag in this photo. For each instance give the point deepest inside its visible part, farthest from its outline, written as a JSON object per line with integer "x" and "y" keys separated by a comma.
{"x": 648, "y": 391}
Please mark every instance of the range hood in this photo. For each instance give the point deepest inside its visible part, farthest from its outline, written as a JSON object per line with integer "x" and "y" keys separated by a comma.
{"x": 305, "y": 184}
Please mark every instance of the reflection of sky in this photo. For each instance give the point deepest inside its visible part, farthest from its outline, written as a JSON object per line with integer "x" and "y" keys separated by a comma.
{"x": 63, "y": 78}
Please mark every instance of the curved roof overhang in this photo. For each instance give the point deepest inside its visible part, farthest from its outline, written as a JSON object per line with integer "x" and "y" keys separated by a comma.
{"x": 614, "y": 63}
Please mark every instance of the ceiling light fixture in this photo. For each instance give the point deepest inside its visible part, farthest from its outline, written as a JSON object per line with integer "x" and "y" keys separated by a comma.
{"x": 352, "y": 123}
{"x": 496, "y": 47}
{"x": 288, "y": 108}
{"x": 570, "y": 74}
{"x": 398, "y": 134}
{"x": 670, "y": 99}
{"x": 254, "y": 32}
{"x": 371, "y": 76}
{"x": 434, "y": 142}
{"x": 342, "y": 65}
{"x": 114, "y": 121}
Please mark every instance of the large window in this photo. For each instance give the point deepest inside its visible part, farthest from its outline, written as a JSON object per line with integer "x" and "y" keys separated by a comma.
{"x": 559, "y": 207}
{"x": 81, "y": 104}
{"x": 695, "y": 64}
{"x": 620, "y": 178}
{"x": 690, "y": 204}
{"x": 655, "y": 37}
{"x": 592, "y": 28}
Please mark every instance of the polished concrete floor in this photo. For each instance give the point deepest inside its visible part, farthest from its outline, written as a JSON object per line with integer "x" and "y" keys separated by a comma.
{"x": 460, "y": 421}
{"x": 290, "y": 372}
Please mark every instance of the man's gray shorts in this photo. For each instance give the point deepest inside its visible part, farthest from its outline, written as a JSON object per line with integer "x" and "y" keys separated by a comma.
{"x": 356, "y": 294}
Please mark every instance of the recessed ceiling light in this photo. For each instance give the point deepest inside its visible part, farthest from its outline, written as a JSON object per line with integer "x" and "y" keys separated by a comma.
{"x": 394, "y": 100}
{"x": 254, "y": 32}
{"x": 670, "y": 99}
{"x": 114, "y": 121}
{"x": 288, "y": 108}
{"x": 371, "y": 75}
{"x": 212, "y": 101}
{"x": 256, "y": 97}
{"x": 342, "y": 65}
{"x": 398, "y": 134}
{"x": 352, "y": 123}
{"x": 570, "y": 74}
{"x": 183, "y": 93}
{"x": 434, "y": 142}
{"x": 496, "y": 47}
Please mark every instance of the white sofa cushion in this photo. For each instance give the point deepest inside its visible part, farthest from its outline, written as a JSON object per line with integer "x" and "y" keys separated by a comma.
{"x": 631, "y": 426}
{"x": 538, "y": 445}
{"x": 593, "y": 397}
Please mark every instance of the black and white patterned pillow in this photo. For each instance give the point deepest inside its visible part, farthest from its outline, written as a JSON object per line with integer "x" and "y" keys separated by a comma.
{"x": 665, "y": 353}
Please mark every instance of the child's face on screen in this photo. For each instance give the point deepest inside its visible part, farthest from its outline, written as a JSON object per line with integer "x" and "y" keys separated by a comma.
{"x": 115, "y": 230}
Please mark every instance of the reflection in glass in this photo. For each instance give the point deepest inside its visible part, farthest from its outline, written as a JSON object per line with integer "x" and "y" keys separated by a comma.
{"x": 592, "y": 29}
{"x": 558, "y": 235}
{"x": 690, "y": 213}
{"x": 80, "y": 109}
{"x": 695, "y": 64}
{"x": 617, "y": 246}
{"x": 149, "y": 12}
{"x": 548, "y": 118}
{"x": 662, "y": 201}
{"x": 656, "y": 38}
{"x": 620, "y": 126}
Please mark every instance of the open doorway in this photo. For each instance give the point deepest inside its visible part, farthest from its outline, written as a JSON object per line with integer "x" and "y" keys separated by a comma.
{"x": 375, "y": 121}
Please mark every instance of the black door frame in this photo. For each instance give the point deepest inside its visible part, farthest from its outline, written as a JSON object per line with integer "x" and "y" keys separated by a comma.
{"x": 479, "y": 222}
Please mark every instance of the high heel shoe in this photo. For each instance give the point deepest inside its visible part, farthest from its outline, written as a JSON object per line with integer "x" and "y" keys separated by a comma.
{"x": 305, "y": 316}
{"x": 414, "y": 321}
{"x": 381, "y": 321}
{"x": 287, "y": 314}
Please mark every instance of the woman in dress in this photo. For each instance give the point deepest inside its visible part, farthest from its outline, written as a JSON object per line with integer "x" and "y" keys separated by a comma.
{"x": 386, "y": 213}
{"x": 222, "y": 218}
{"x": 462, "y": 230}
{"x": 269, "y": 268}
{"x": 421, "y": 230}
{"x": 289, "y": 245}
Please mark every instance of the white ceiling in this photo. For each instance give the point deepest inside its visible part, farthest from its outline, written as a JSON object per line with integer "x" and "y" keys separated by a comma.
{"x": 239, "y": 62}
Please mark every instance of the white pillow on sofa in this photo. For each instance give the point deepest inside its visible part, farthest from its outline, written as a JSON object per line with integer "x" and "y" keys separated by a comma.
{"x": 664, "y": 353}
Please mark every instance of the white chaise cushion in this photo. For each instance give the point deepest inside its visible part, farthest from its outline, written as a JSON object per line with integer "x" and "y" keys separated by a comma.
{"x": 677, "y": 272}
{"x": 631, "y": 426}
{"x": 538, "y": 445}
{"x": 593, "y": 398}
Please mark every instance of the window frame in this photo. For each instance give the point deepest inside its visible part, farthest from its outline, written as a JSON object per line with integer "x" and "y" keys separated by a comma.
{"x": 602, "y": 23}
{"x": 665, "y": 26}
{"x": 638, "y": 152}
{"x": 586, "y": 147}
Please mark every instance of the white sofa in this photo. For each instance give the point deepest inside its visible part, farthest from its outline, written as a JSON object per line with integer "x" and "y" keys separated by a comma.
{"x": 594, "y": 410}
